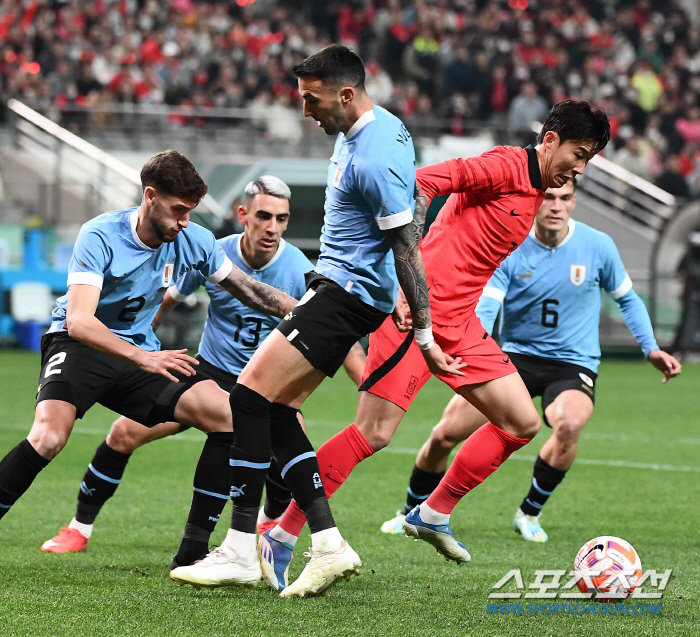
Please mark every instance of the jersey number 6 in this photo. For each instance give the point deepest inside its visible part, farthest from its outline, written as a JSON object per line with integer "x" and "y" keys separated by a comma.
{"x": 550, "y": 318}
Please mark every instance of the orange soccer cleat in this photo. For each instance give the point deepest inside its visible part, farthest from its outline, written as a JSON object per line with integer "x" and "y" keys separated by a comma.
{"x": 67, "y": 541}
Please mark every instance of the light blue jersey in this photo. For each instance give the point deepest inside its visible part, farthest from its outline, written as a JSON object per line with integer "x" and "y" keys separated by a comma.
{"x": 132, "y": 277}
{"x": 233, "y": 331}
{"x": 551, "y": 298}
{"x": 370, "y": 188}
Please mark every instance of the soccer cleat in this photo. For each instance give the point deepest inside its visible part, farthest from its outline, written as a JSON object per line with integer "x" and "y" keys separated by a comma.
{"x": 395, "y": 525}
{"x": 323, "y": 570}
{"x": 67, "y": 541}
{"x": 264, "y": 523}
{"x": 275, "y": 557}
{"x": 222, "y": 567}
{"x": 439, "y": 535}
{"x": 529, "y": 527}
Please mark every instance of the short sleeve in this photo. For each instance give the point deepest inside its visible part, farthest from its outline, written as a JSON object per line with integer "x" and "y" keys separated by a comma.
{"x": 614, "y": 278}
{"x": 388, "y": 190}
{"x": 216, "y": 266}
{"x": 90, "y": 260}
{"x": 187, "y": 284}
{"x": 495, "y": 171}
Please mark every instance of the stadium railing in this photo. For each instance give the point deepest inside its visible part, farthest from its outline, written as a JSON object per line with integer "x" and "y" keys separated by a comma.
{"x": 66, "y": 178}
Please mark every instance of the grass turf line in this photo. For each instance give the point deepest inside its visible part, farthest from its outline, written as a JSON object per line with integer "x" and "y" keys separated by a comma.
{"x": 120, "y": 586}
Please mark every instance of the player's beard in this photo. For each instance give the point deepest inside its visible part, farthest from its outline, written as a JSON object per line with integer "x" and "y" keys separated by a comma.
{"x": 159, "y": 227}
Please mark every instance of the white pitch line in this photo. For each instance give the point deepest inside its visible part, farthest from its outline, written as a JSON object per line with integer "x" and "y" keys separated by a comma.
{"x": 406, "y": 451}
{"x": 652, "y": 466}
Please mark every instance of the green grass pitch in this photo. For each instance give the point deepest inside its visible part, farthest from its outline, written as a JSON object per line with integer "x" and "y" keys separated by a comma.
{"x": 120, "y": 586}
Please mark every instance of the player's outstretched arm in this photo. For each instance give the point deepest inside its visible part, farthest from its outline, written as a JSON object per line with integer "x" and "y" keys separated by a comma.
{"x": 256, "y": 295}
{"x": 84, "y": 326}
{"x": 663, "y": 361}
{"x": 404, "y": 242}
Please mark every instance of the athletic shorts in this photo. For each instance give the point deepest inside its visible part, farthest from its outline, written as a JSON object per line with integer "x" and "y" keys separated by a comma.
{"x": 82, "y": 376}
{"x": 548, "y": 378}
{"x": 327, "y": 322}
{"x": 396, "y": 370}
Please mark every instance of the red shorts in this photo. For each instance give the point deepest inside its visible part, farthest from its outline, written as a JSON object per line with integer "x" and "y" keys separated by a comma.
{"x": 396, "y": 370}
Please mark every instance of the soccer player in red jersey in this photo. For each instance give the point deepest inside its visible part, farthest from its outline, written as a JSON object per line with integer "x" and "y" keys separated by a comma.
{"x": 493, "y": 200}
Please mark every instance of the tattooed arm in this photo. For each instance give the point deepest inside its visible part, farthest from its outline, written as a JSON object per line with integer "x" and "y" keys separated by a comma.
{"x": 256, "y": 295}
{"x": 409, "y": 264}
{"x": 411, "y": 275}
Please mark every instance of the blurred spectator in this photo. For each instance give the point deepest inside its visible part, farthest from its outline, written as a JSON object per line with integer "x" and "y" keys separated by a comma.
{"x": 671, "y": 179}
{"x": 634, "y": 157}
{"x": 450, "y": 61}
{"x": 527, "y": 108}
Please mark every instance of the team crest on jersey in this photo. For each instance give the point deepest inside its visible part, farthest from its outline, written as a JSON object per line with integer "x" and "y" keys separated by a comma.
{"x": 578, "y": 273}
{"x": 338, "y": 177}
{"x": 586, "y": 379}
{"x": 168, "y": 271}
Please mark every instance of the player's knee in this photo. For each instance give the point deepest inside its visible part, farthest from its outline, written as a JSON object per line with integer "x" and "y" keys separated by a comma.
{"x": 442, "y": 438}
{"x": 376, "y": 433}
{"x": 568, "y": 429}
{"x": 529, "y": 425}
{"x": 126, "y": 436}
{"x": 47, "y": 439}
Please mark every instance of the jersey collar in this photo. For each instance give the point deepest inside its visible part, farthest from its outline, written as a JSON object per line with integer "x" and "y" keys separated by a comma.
{"x": 533, "y": 167}
{"x": 364, "y": 119}
{"x": 278, "y": 254}
{"x": 133, "y": 220}
{"x": 572, "y": 227}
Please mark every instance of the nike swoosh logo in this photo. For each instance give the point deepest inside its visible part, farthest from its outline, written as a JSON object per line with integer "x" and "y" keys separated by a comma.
{"x": 493, "y": 464}
{"x": 513, "y": 213}
{"x": 506, "y": 360}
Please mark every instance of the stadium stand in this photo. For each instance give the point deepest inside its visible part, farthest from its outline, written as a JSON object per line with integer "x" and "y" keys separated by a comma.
{"x": 445, "y": 66}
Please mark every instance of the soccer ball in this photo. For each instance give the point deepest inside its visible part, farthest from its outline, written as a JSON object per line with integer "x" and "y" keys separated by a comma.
{"x": 607, "y": 564}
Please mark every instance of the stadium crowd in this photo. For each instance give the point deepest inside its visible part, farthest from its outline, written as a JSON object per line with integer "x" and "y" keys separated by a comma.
{"x": 445, "y": 66}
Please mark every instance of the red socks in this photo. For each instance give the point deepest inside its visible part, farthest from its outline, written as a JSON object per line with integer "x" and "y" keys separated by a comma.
{"x": 481, "y": 454}
{"x": 336, "y": 459}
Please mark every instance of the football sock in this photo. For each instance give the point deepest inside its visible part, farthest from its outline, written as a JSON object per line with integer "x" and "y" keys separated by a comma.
{"x": 326, "y": 540}
{"x": 250, "y": 455}
{"x": 100, "y": 482}
{"x": 431, "y": 516}
{"x": 336, "y": 458}
{"x": 480, "y": 455}
{"x": 17, "y": 472}
{"x": 544, "y": 482}
{"x": 211, "y": 487}
{"x": 422, "y": 484}
{"x": 298, "y": 466}
{"x": 84, "y": 529}
{"x": 244, "y": 545}
{"x": 277, "y": 495}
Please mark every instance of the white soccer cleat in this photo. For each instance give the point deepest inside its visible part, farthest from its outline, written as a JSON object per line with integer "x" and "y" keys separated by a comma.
{"x": 529, "y": 527}
{"x": 323, "y": 570}
{"x": 222, "y": 567}
{"x": 395, "y": 525}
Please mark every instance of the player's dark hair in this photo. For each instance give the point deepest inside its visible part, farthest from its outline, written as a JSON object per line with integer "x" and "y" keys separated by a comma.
{"x": 577, "y": 121}
{"x": 171, "y": 173}
{"x": 335, "y": 65}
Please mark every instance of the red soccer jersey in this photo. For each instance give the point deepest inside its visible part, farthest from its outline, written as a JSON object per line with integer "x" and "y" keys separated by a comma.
{"x": 494, "y": 199}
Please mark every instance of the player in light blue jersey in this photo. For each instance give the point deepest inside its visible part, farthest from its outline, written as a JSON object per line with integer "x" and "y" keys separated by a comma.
{"x": 369, "y": 243}
{"x": 549, "y": 290}
{"x": 231, "y": 335}
{"x": 101, "y": 346}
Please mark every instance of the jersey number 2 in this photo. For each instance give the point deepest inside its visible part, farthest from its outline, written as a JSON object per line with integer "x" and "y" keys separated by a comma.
{"x": 550, "y": 318}
{"x": 54, "y": 362}
{"x": 133, "y": 307}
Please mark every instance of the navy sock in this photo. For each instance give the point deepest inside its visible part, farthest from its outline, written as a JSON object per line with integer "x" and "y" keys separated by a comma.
{"x": 421, "y": 485}
{"x": 544, "y": 482}
{"x": 100, "y": 482}
{"x": 17, "y": 472}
